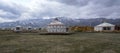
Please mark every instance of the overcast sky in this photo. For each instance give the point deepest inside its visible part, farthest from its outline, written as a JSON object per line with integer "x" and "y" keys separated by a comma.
{"x": 12, "y": 10}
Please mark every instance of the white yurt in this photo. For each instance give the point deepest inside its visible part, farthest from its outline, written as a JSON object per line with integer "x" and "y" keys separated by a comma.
{"x": 29, "y": 28}
{"x": 56, "y": 27}
{"x": 18, "y": 28}
{"x": 104, "y": 27}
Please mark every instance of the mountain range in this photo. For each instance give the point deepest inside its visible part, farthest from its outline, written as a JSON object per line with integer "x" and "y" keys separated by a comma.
{"x": 67, "y": 21}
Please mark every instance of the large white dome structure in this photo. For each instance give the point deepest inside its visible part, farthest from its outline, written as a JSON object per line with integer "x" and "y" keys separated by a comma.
{"x": 56, "y": 27}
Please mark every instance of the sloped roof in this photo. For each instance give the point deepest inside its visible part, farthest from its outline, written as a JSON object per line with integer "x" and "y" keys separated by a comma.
{"x": 105, "y": 24}
{"x": 56, "y": 23}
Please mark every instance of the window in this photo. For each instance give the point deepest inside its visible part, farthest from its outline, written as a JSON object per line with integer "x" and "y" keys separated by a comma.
{"x": 17, "y": 28}
{"x": 106, "y": 28}
{"x": 58, "y": 26}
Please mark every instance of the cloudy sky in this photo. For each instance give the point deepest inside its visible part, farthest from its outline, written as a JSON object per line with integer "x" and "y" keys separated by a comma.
{"x": 12, "y": 10}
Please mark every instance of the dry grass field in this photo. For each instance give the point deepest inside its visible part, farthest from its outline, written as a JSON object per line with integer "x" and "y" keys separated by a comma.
{"x": 75, "y": 43}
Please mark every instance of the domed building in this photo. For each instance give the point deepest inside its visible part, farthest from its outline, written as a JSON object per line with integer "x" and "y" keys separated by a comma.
{"x": 104, "y": 27}
{"x": 56, "y": 27}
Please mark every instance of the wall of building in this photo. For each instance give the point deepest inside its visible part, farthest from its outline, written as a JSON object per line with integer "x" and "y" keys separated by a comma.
{"x": 100, "y": 28}
{"x": 58, "y": 28}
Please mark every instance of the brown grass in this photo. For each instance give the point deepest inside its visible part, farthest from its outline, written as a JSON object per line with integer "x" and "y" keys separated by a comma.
{"x": 75, "y": 43}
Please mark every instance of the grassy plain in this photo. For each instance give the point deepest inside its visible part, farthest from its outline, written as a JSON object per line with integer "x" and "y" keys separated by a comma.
{"x": 75, "y": 43}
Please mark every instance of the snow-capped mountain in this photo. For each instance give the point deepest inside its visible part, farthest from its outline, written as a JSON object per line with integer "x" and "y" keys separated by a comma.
{"x": 66, "y": 21}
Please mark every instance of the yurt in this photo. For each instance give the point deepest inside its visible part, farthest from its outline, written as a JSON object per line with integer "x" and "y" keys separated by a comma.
{"x": 56, "y": 27}
{"x": 104, "y": 27}
{"x": 29, "y": 28}
{"x": 18, "y": 29}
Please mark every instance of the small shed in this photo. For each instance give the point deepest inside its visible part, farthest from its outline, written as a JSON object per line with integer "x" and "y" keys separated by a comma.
{"x": 104, "y": 27}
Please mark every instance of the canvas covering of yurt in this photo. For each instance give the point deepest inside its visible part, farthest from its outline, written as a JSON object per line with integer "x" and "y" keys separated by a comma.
{"x": 104, "y": 27}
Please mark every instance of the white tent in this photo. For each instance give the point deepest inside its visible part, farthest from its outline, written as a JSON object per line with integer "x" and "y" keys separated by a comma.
{"x": 18, "y": 28}
{"x": 29, "y": 28}
{"x": 104, "y": 27}
{"x": 56, "y": 27}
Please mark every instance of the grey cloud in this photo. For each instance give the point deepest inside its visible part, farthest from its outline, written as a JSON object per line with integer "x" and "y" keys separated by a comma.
{"x": 86, "y": 2}
{"x": 107, "y": 3}
{"x": 9, "y": 15}
{"x": 99, "y": 8}
{"x": 74, "y": 2}
{"x": 12, "y": 11}
{"x": 67, "y": 8}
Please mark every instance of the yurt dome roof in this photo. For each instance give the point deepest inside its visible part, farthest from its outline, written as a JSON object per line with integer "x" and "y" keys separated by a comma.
{"x": 105, "y": 24}
{"x": 56, "y": 22}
